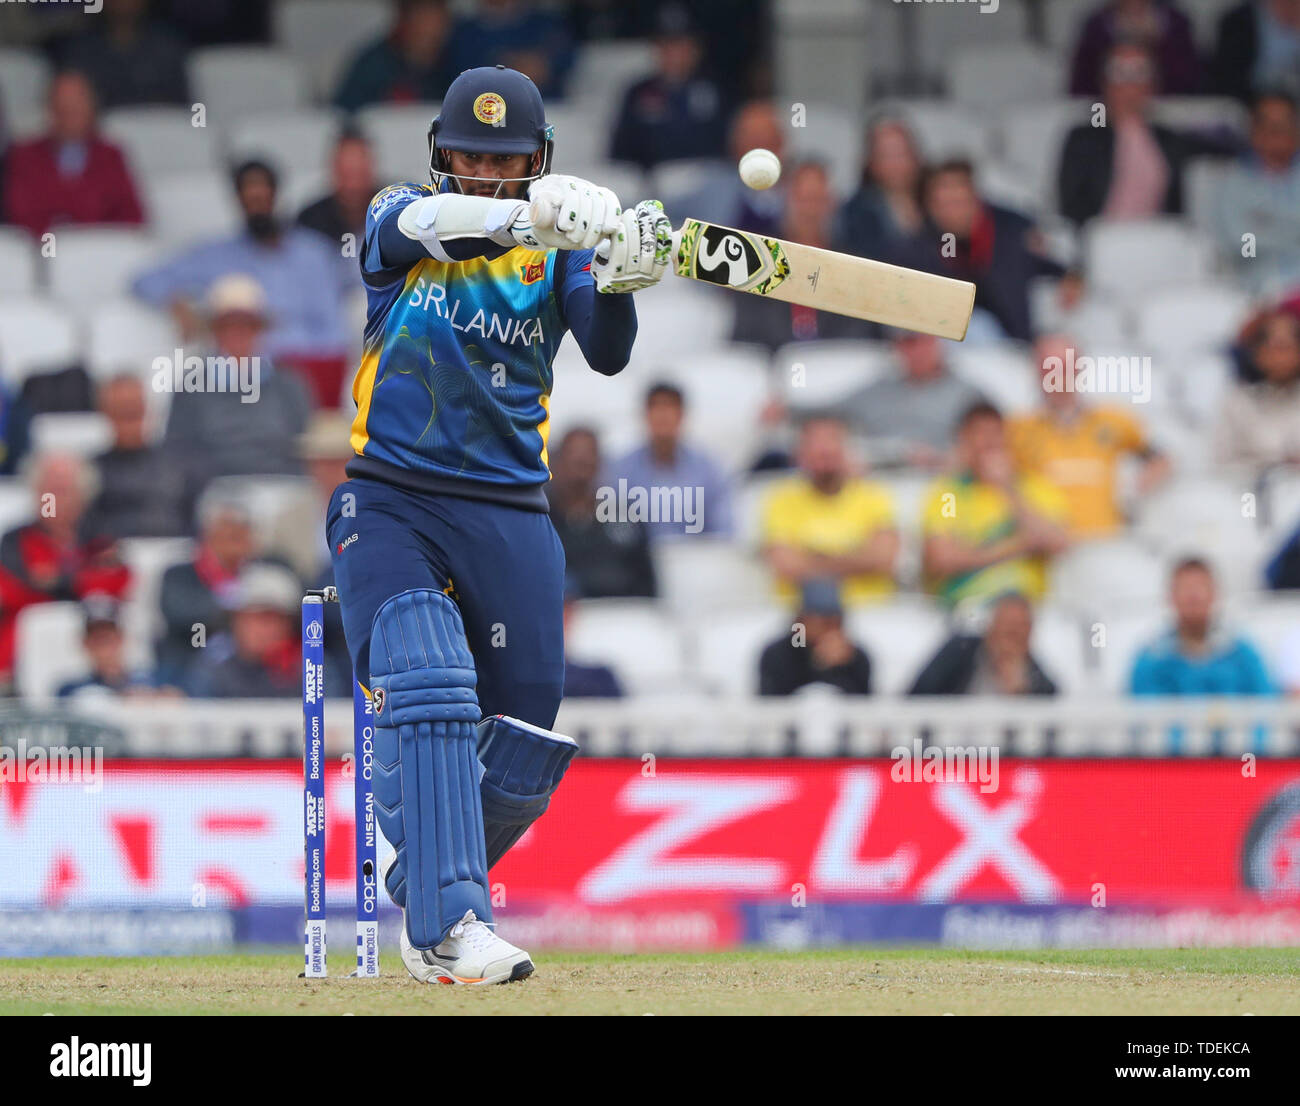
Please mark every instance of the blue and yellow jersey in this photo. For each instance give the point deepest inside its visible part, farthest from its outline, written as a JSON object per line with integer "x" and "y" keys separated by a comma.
{"x": 455, "y": 377}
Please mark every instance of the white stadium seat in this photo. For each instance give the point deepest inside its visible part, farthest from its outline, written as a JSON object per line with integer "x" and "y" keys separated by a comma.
{"x": 940, "y": 30}
{"x": 1112, "y": 572}
{"x": 159, "y": 139}
{"x": 235, "y": 81}
{"x": 187, "y": 208}
{"x": 397, "y": 133}
{"x": 48, "y": 653}
{"x": 1031, "y": 137}
{"x": 1272, "y": 625}
{"x": 1191, "y": 319}
{"x": 997, "y": 74}
{"x": 17, "y": 503}
{"x": 113, "y": 256}
{"x": 17, "y": 262}
{"x": 944, "y": 129}
{"x": 821, "y": 374}
{"x": 1120, "y": 634}
{"x": 82, "y": 433}
{"x": 1203, "y": 380}
{"x": 36, "y": 335}
{"x": 728, "y": 646}
{"x": 680, "y": 322}
{"x": 601, "y": 75}
{"x": 148, "y": 559}
{"x": 296, "y": 141}
{"x": 1003, "y": 373}
{"x": 576, "y": 140}
{"x": 634, "y": 637}
{"x": 1130, "y": 257}
{"x": 24, "y": 78}
{"x": 899, "y": 636}
{"x": 1063, "y": 20}
{"x": 700, "y": 573}
{"x": 126, "y": 336}
{"x": 324, "y": 35}
{"x": 832, "y": 133}
{"x": 1094, "y": 321}
{"x": 1059, "y": 643}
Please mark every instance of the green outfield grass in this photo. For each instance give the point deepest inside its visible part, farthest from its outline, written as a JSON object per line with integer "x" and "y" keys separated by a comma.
{"x": 841, "y": 981}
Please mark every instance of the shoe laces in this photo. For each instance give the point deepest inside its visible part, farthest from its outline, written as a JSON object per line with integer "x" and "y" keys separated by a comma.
{"x": 474, "y": 933}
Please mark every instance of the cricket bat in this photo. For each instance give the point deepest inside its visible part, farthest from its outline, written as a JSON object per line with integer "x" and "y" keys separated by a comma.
{"x": 822, "y": 279}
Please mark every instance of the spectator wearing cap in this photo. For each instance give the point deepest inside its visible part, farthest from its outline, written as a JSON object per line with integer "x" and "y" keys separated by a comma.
{"x": 105, "y": 648}
{"x": 412, "y": 63}
{"x": 1158, "y": 25}
{"x": 996, "y": 662}
{"x": 193, "y": 596}
{"x": 129, "y": 58}
{"x": 590, "y": 679}
{"x": 1259, "y": 421}
{"x": 142, "y": 491}
{"x": 225, "y": 432}
{"x": 607, "y": 554}
{"x": 677, "y": 112}
{"x": 301, "y": 275}
{"x": 908, "y": 418}
{"x": 56, "y": 556}
{"x": 1259, "y": 195}
{"x": 519, "y": 34}
{"x": 261, "y": 659}
{"x": 818, "y": 650}
{"x": 342, "y": 210}
{"x": 827, "y": 522}
{"x": 70, "y": 174}
{"x": 673, "y": 472}
{"x": 986, "y": 528}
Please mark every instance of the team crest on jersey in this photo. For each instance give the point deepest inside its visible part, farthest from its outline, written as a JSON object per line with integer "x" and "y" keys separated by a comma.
{"x": 532, "y": 272}
{"x": 490, "y": 108}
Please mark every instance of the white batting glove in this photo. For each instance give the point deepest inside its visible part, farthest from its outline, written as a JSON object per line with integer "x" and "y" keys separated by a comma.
{"x": 637, "y": 254}
{"x": 569, "y": 213}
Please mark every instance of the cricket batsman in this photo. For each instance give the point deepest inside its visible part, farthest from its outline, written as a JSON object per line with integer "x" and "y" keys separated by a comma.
{"x": 450, "y": 574}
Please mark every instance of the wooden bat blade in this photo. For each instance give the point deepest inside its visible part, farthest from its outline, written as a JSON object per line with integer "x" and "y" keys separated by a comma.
{"x": 822, "y": 279}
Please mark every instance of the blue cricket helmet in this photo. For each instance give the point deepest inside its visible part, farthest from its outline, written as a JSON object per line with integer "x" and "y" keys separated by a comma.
{"x": 490, "y": 110}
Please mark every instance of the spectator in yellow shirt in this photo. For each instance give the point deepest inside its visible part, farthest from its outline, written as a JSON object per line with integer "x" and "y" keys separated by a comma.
{"x": 827, "y": 523}
{"x": 1079, "y": 447}
{"x": 987, "y": 529}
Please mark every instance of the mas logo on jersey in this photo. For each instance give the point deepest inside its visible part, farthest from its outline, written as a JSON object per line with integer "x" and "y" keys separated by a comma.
{"x": 490, "y": 108}
{"x": 532, "y": 272}
{"x": 393, "y": 195}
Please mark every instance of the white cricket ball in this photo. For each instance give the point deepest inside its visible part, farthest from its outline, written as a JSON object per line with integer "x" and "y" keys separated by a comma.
{"x": 760, "y": 169}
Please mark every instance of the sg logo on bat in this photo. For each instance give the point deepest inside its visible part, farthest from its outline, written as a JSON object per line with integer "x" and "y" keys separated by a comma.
{"x": 732, "y": 258}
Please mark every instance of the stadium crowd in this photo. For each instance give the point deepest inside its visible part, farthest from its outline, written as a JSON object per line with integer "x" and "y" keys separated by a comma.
{"x": 977, "y": 481}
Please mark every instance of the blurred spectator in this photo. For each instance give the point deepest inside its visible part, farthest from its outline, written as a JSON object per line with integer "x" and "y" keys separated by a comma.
{"x": 606, "y": 554}
{"x": 105, "y": 648}
{"x": 141, "y": 488}
{"x": 1130, "y": 167}
{"x": 988, "y": 530}
{"x": 301, "y": 275}
{"x": 808, "y": 217}
{"x": 674, "y": 473}
{"x": 1157, "y": 25}
{"x": 55, "y": 557}
{"x": 1258, "y": 47}
{"x": 521, "y": 35}
{"x": 15, "y": 430}
{"x": 886, "y": 208}
{"x": 997, "y": 662}
{"x": 970, "y": 239}
{"x": 1078, "y": 447}
{"x": 225, "y": 432}
{"x": 193, "y": 596}
{"x": 413, "y": 63}
{"x": 818, "y": 651}
{"x": 1259, "y": 423}
{"x": 722, "y": 197}
{"x": 343, "y": 209}
{"x": 70, "y": 174}
{"x": 129, "y": 58}
{"x": 677, "y": 112}
{"x": 263, "y": 659}
{"x": 584, "y": 680}
{"x": 827, "y": 523}
{"x": 1260, "y": 195}
{"x": 909, "y": 418}
{"x": 1197, "y": 656}
{"x": 219, "y": 22}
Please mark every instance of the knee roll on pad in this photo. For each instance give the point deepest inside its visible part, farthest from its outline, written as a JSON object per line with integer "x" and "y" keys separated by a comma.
{"x": 426, "y": 766}
{"x": 522, "y": 767}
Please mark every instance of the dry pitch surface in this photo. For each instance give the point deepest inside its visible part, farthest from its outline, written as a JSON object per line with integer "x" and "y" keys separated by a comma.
{"x": 843, "y": 981}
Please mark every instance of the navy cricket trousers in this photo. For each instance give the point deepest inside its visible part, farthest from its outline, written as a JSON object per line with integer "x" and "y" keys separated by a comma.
{"x": 503, "y": 566}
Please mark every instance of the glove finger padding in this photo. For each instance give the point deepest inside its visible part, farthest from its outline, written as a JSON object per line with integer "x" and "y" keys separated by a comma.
{"x": 639, "y": 251}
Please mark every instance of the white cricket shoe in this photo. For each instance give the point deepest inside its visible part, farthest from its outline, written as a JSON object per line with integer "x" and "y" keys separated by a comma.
{"x": 472, "y": 953}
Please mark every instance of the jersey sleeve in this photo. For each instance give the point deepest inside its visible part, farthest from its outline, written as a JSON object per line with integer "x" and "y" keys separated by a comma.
{"x": 386, "y": 253}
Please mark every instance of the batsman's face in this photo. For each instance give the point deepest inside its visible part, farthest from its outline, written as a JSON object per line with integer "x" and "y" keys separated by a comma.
{"x": 490, "y": 175}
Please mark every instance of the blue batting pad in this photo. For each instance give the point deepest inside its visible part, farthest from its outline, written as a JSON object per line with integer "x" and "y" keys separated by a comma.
{"x": 522, "y": 767}
{"x": 426, "y": 768}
